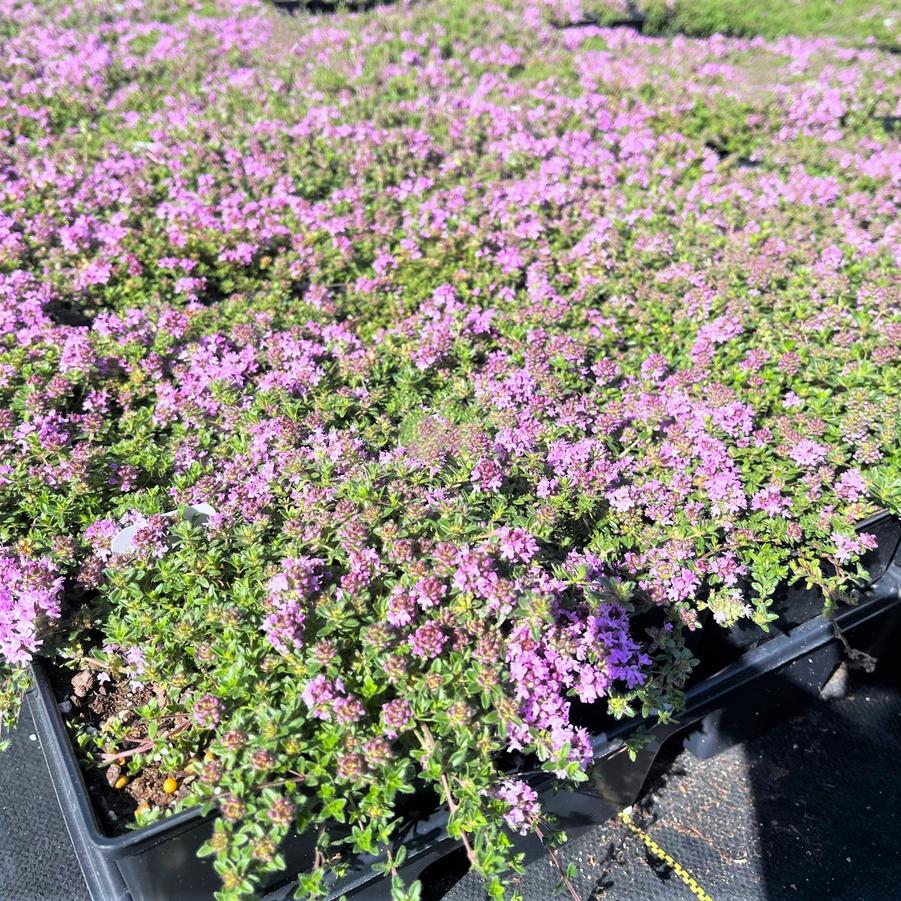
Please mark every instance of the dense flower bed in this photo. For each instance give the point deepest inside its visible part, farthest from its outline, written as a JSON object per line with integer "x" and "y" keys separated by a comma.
{"x": 479, "y": 336}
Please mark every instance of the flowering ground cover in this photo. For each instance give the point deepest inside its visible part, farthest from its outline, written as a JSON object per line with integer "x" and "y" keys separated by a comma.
{"x": 506, "y": 355}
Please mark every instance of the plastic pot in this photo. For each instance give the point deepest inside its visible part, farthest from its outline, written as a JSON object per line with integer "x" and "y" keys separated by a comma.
{"x": 774, "y": 678}
{"x": 288, "y": 6}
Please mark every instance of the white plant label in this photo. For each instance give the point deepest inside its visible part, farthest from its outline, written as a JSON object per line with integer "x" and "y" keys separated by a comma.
{"x": 197, "y": 514}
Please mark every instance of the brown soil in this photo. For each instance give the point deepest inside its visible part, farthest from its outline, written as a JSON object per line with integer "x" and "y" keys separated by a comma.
{"x": 86, "y": 703}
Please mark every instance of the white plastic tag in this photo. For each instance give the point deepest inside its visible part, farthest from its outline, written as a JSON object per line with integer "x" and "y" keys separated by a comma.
{"x": 197, "y": 514}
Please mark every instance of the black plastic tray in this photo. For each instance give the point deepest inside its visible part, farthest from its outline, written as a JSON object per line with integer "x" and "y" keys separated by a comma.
{"x": 784, "y": 671}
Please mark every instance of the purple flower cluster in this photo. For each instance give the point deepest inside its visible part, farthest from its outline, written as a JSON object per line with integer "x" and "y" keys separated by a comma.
{"x": 284, "y": 626}
{"x": 850, "y": 547}
{"x": 289, "y": 591}
{"x": 585, "y": 653}
{"x": 397, "y": 717}
{"x": 808, "y": 453}
{"x": 521, "y": 800}
{"x": 207, "y": 711}
{"x": 428, "y": 640}
{"x": 319, "y": 694}
{"x": 150, "y": 541}
{"x": 30, "y": 590}
{"x": 516, "y": 545}
{"x": 328, "y": 699}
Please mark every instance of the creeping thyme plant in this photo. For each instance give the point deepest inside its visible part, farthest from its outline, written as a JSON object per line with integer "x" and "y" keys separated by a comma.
{"x": 506, "y": 355}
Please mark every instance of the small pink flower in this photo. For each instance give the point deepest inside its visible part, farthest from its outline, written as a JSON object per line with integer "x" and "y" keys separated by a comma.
{"x": 808, "y": 453}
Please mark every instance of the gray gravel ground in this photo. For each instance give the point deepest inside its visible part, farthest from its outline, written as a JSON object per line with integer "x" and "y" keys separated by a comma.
{"x": 810, "y": 811}
{"x": 36, "y": 857}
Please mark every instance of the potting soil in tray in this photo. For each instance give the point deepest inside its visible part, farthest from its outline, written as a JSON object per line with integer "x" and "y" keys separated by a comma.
{"x": 86, "y": 702}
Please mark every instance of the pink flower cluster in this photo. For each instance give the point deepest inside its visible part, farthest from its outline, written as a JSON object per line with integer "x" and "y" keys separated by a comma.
{"x": 328, "y": 699}
{"x": 289, "y": 591}
{"x": 584, "y": 655}
{"x": 523, "y": 807}
{"x": 30, "y": 591}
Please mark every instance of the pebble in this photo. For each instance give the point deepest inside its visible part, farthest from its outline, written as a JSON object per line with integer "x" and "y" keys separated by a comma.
{"x": 82, "y": 683}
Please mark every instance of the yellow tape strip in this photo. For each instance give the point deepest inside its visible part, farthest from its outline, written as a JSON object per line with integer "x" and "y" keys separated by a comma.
{"x": 658, "y": 852}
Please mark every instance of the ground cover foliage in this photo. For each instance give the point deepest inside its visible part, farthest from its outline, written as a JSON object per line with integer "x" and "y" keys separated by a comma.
{"x": 480, "y": 335}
